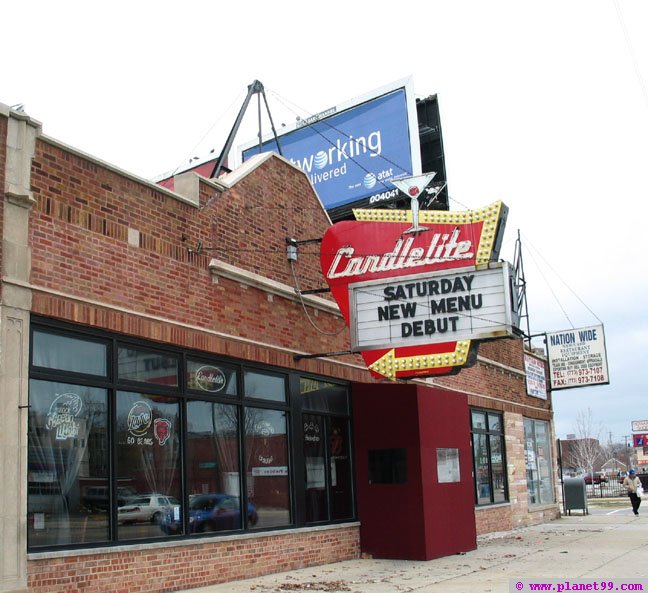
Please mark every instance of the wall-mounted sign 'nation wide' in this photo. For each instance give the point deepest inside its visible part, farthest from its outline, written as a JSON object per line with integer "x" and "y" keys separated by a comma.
{"x": 577, "y": 358}
{"x": 416, "y": 296}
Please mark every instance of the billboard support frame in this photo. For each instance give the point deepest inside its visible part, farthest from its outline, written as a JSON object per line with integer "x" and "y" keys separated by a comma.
{"x": 256, "y": 88}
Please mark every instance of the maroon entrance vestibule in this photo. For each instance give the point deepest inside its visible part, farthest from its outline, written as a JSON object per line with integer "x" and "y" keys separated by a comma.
{"x": 414, "y": 471}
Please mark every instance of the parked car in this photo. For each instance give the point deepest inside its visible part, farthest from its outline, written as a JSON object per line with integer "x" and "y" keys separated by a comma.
{"x": 598, "y": 478}
{"x": 147, "y": 508}
{"x": 210, "y": 512}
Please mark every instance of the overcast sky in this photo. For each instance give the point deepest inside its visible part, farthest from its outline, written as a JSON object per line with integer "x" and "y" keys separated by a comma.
{"x": 544, "y": 105}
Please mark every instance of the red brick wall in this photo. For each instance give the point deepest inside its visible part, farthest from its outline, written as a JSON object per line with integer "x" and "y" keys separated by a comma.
{"x": 79, "y": 236}
{"x": 490, "y": 519}
{"x": 498, "y": 387}
{"x": 171, "y": 568}
{"x": 252, "y": 220}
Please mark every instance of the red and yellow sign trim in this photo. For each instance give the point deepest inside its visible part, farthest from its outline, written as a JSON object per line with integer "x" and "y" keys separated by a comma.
{"x": 372, "y": 248}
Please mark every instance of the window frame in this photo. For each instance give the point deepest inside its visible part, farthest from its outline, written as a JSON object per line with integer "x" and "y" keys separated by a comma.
{"x": 299, "y": 412}
{"x": 489, "y": 433}
{"x": 113, "y": 384}
{"x": 534, "y": 484}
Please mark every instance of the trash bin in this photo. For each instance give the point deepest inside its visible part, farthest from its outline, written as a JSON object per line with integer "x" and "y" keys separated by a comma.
{"x": 575, "y": 495}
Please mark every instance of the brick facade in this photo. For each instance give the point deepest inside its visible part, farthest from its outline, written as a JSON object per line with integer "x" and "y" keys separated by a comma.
{"x": 167, "y": 567}
{"x": 112, "y": 252}
{"x": 84, "y": 215}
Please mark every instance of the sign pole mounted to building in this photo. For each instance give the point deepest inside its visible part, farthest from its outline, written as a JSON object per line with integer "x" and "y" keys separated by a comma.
{"x": 418, "y": 287}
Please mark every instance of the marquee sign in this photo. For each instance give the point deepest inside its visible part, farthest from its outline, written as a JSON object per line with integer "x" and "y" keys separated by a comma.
{"x": 416, "y": 295}
{"x": 427, "y": 308}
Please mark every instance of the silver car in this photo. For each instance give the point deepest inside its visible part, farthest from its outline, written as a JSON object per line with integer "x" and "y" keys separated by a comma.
{"x": 146, "y": 508}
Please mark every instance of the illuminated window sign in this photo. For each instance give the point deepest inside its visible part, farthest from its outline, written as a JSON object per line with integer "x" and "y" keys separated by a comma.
{"x": 351, "y": 152}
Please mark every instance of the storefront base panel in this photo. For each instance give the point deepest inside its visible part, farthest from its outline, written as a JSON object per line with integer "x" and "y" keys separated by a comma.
{"x": 164, "y": 567}
{"x": 505, "y": 517}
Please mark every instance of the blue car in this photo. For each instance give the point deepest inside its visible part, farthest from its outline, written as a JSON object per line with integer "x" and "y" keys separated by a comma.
{"x": 210, "y": 512}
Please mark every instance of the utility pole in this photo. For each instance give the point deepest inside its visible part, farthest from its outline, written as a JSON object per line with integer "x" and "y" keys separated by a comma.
{"x": 627, "y": 450}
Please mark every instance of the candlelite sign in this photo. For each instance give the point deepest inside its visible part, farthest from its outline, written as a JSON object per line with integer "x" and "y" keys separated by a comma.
{"x": 415, "y": 294}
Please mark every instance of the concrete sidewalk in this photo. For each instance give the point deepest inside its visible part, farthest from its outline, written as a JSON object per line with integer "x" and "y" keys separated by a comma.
{"x": 608, "y": 544}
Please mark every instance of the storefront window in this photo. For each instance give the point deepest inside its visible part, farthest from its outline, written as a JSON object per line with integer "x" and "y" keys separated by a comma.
{"x": 538, "y": 461}
{"x": 341, "y": 477}
{"x": 148, "y": 464}
{"x": 65, "y": 353}
{"x": 147, "y": 367}
{"x": 266, "y": 466}
{"x": 315, "y": 467}
{"x": 322, "y": 396}
{"x": 265, "y": 386}
{"x": 67, "y": 464}
{"x": 327, "y": 455}
{"x": 488, "y": 457}
{"x": 131, "y": 442}
{"x": 213, "y": 473}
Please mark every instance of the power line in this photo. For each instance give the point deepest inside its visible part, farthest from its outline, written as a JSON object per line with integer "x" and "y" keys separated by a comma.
{"x": 527, "y": 242}
{"x": 303, "y": 304}
{"x": 313, "y": 124}
{"x": 633, "y": 57}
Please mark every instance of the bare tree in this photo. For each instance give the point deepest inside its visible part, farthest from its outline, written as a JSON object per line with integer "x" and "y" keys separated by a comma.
{"x": 586, "y": 449}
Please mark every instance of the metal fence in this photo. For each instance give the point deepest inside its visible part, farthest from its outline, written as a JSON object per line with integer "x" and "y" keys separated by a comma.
{"x": 609, "y": 489}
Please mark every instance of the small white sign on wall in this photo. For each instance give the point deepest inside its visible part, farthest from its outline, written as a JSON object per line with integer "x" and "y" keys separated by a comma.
{"x": 448, "y": 466}
{"x": 536, "y": 381}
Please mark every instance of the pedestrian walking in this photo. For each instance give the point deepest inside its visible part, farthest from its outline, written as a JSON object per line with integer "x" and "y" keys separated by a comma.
{"x": 632, "y": 484}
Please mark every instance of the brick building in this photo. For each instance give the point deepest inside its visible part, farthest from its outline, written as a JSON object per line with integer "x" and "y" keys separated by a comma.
{"x": 159, "y": 430}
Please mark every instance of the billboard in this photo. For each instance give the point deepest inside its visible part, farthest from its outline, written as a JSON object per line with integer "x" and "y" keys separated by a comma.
{"x": 577, "y": 358}
{"x": 351, "y": 152}
{"x": 639, "y": 425}
{"x": 640, "y": 440}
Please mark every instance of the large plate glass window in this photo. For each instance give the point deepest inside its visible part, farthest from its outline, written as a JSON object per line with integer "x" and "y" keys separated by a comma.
{"x": 327, "y": 452}
{"x": 537, "y": 453}
{"x": 213, "y": 472}
{"x": 315, "y": 466}
{"x": 67, "y": 501}
{"x": 266, "y": 466}
{"x": 148, "y": 464}
{"x": 488, "y": 457}
{"x": 130, "y": 441}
